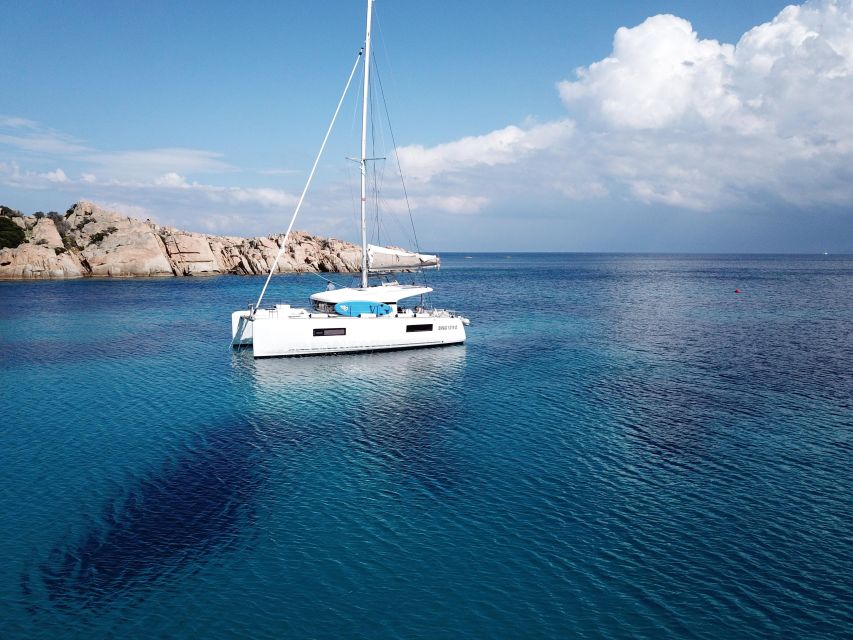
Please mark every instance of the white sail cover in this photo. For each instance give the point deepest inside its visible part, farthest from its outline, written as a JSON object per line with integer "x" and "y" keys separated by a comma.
{"x": 384, "y": 259}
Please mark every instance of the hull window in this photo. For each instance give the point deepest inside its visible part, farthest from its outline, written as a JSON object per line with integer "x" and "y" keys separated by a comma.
{"x": 337, "y": 331}
{"x": 418, "y": 327}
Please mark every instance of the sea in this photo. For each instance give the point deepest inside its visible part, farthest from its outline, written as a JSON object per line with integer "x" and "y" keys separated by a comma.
{"x": 627, "y": 446}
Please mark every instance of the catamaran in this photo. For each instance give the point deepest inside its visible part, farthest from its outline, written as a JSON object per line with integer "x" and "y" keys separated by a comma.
{"x": 371, "y": 317}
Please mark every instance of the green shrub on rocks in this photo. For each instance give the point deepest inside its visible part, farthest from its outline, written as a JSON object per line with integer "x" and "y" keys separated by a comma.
{"x": 60, "y": 223}
{"x": 63, "y": 228}
{"x": 11, "y": 235}
{"x": 86, "y": 220}
{"x": 9, "y": 212}
{"x": 97, "y": 237}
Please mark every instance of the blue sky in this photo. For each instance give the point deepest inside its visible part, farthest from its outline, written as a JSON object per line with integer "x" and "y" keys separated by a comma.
{"x": 646, "y": 126}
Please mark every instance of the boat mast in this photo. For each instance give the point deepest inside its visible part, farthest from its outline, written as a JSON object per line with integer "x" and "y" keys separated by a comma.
{"x": 364, "y": 107}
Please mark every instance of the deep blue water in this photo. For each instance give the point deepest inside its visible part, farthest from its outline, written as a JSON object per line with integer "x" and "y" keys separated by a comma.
{"x": 625, "y": 448}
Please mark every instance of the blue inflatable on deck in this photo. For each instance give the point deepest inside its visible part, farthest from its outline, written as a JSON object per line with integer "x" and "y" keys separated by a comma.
{"x": 355, "y": 308}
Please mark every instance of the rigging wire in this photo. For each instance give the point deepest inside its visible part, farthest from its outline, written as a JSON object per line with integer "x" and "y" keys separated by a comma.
{"x": 399, "y": 168}
{"x": 308, "y": 182}
{"x": 397, "y": 158}
{"x": 380, "y": 173}
{"x": 324, "y": 278}
{"x": 375, "y": 185}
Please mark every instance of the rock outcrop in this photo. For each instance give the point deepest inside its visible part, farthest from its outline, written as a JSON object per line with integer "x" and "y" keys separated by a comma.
{"x": 89, "y": 241}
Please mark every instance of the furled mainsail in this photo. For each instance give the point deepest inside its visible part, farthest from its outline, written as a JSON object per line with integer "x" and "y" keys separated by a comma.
{"x": 384, "y": 259}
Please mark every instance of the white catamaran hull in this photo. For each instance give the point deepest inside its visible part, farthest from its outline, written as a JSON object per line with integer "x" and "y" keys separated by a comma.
{"x": 276, "y": 332}
{"x": 365, "y": 318}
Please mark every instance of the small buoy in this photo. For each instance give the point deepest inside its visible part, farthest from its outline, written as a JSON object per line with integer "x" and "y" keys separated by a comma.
{"x": 737, "y": 290}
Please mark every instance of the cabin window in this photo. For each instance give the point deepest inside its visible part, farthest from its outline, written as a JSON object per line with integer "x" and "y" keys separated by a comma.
{"x": 418, "y": 327}
{"x": 336, "y": 331}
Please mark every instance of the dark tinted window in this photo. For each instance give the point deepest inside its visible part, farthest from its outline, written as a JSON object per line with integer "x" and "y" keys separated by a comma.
{"x": 337, "y": 331}
{"x": 418, "y": 327}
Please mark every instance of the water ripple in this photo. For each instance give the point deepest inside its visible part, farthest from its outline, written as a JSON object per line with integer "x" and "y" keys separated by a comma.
{"x": 635, "y": 452}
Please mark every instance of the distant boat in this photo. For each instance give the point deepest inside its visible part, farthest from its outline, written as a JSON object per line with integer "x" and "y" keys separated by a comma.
{"x": 370, "y": 317}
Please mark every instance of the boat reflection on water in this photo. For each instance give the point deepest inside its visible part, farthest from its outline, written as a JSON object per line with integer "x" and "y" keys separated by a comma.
{"x": 388, "y": 371}
{"x": 396, "y": 412}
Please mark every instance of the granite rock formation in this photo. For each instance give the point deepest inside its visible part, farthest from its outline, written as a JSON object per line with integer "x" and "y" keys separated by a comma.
{"x": 89, "y": 241}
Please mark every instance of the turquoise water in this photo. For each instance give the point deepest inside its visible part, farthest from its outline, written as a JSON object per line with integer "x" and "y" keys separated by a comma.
{"x": 624, "y": 448}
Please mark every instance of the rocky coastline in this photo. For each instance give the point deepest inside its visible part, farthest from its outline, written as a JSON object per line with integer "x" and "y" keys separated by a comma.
{"x": 87, "y": 241}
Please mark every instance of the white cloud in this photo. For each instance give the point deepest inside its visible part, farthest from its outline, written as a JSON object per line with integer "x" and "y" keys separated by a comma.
{"x": 261, "y": 196}
{"x": 43, "y": 142}
{"x": 278, "y": 172}
{"x": 56, "y": 176}
{"x": 125, "y": 208}
{"x": 658, "y": 74}
{"x": 671, "y": 118}
{"x": 440, "y": 203}
{"x": 12, "y": 175}
{"x": 171, "y": 179}
{"x": 14, "y": 122}
{"x": 265, "y": 197}
{"x": 90, "y": 187}
{"x": 504, "y": 146}
{"x": 28, "y": 135}
{"x": 667, "y": 118}
{"x": 453, "y": 203}
{"x": 695, "y": 123}
{"x": 146, "y": 174}
{"x": 140, "y": 163}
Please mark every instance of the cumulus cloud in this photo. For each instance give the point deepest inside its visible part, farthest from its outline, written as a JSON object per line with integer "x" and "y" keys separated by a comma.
{"x": 667, "y": 118}
{"x": 697, "y": 123}
{"x": 504, "y": 146}
{"x": 11, "y": 174}
{"x": 56, "y": 176}
{"x": 659, "y": 73}
{"x": 672, "y": 118}
{"x": 171, "y": 179}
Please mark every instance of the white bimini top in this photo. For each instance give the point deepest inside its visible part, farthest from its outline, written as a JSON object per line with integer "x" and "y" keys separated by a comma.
{"x": 389, "y": 293}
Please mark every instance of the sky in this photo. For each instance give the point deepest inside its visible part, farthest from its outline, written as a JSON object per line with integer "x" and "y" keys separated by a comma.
{"x": 544, "y": 125}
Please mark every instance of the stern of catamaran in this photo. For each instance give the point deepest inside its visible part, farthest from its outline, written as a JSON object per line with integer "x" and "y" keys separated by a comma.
{"x": 241, "y": 328}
